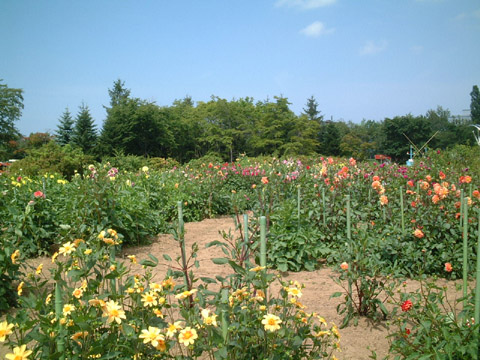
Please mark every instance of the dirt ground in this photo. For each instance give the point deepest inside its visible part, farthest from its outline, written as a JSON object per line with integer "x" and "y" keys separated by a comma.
{"x": 356, "y": 341}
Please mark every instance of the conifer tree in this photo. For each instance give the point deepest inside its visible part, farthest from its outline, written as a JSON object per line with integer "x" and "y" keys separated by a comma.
{"x": 85, "y": 134}
{"x": 475, "y": 105}
{"x": 64, "y": 133}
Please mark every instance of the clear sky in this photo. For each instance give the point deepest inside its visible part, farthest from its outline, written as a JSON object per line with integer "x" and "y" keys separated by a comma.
{"x": 366, "y": 59}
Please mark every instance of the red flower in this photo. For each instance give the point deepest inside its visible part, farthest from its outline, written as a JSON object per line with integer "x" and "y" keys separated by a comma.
{"x": 407, "y": 305}
{"x": 418, "y": 233}
{"x": 39, "y": 194}
{"x": 441, "y": 175}
{"x": 407, "y": 331}
{"x": 448, "y": 267}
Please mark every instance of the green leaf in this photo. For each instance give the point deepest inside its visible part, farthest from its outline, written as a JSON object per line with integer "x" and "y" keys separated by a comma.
{"x": 220, "y": 261}
{"x": 336, "y": 294}
{"x": 167, "y": 257}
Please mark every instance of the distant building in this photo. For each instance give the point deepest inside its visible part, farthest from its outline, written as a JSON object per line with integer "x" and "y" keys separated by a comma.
{"x": 464, "y": 118}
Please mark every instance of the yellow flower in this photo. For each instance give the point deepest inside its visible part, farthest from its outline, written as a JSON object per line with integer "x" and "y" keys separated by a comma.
{"x": 145, "y": 169}
{"x": 5, "y": 330}
{"x": 257, "y": 268}
{"x": 19, "y": 353}
{"x": 173, "y": 328}
{"x": 335, "y": 331}
{"x": 88, "y": 252}
{"x": 48, "y": 299}
{"x": 293, "y": 291}
{"x": 101, "y": 235}
{"x": 67, "y": 309}
{"x": 15, "y": 256}
{"x": 67, "y": 249}
{"x": 113, "y": 311}
{"x": 271, "y": 322}
{"x": 149, "y": 299}
{"x": 132, "y": 258}
{"x": 152, "y": 335}
{"x": 209, "y": 319}
{"x": 158, "y": 313}
{"x": 155, "y": 287}
{"x": 185, "y": 294}
{"x": 78, "y": 292}
{"x": 321, "y": 333}
{"x": 39, "y": 269}
{"x": 54, "y": 257}
{"x": 187, "y": 336}
{"x": 78, "y": 335}
{"x": 20, "y": 288}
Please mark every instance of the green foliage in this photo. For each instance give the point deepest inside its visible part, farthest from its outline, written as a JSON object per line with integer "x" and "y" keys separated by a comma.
{"x": 431, "y": 326}
{"x": 51, "y": 158}
{"x": 101, "y": 309}
{"x": 9, "y": 273}
{"x": 11, "y": 105}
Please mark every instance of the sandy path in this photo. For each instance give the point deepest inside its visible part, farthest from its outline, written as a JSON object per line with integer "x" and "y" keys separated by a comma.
{"x": 354, "y": 342}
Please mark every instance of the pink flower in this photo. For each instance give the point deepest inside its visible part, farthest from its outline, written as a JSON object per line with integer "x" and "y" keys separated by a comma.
{"x": 448, "y": 267}
{"x": 39, "y": 194}
{"x": 344, "y": 266}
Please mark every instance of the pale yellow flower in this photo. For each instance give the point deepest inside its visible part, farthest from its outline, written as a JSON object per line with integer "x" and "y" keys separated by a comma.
{"x": 113, "y": 311}
{"x": 20, "y": 288}
{"x": 173, "y": 328}
{"x": 185, "y": 294}
{"x": 68, "y": 309}
{"x": 149, "y": 299}
{"x": 19, "y": 353}
{"x": 187, "y": 336}
{"x": 78, "y": 292}
{"x": 152, "y": 335}
{"x": 271, "y": 322}
{"x": 209, "y": 319}
{"x": 15, "y": 256}
{"x": 39, "y": 269}
{"x": 5, "y": 330}
{"x": 67, "y": 249}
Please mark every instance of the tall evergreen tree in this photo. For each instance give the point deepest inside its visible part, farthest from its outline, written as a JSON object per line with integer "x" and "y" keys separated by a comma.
{"x": 311, "y": 110}
{"x": 65, "y": 129}
{"x": 475, "y": 105}
{"x": 118, "y": 93}
{"x": 84, "y": 134}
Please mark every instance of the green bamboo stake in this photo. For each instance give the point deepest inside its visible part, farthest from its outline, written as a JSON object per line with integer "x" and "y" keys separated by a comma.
{"x": 181, "y": 238}
{"x": 461, "y": 208}
{"x": 470, "y": 190}
{"x": 298, "y": 207}
{"x": 245, "y": 238}
{"x": 324, "y": 209}
{"x": 349, "y": 237}
{"x": 477, "y": 285}
{"x": 263, "y": 241}
{"x": 349, "y": 230}
{"x": 465, "y": 251}
{"x": 59, "y": 312}
{"x": 401, "y": 210}
{"x": 225, "y": 315}
{"x": 113, "y": 284}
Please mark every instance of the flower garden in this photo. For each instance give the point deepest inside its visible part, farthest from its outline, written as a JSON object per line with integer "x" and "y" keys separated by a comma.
{"x": 376, "y": 224}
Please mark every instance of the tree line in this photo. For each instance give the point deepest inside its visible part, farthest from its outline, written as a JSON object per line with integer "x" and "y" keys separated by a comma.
{"x": 187, "y": 130}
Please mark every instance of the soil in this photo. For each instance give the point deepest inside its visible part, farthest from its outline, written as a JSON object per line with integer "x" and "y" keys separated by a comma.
{"x": 357, "y": 342}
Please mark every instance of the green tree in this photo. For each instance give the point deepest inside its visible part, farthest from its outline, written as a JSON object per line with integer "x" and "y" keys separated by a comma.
{"x": 11, "y": 105}
{"x": 396, "y": 130}
{"x": 475, "y": 105}
{"x": 64, "y": 133}
{"x": 311, "y": 110}
{"x": 330, "y": 136}
{"x": 119, "y": 93}
{"x": 84, "y": 134}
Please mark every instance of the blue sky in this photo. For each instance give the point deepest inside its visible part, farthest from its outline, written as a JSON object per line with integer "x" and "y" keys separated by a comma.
{"x": 367, "y": 59}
